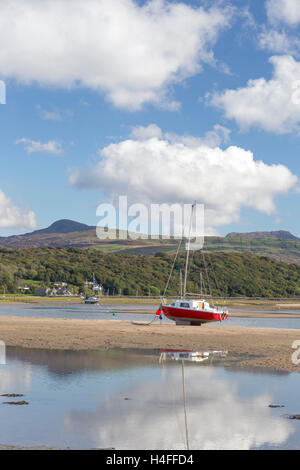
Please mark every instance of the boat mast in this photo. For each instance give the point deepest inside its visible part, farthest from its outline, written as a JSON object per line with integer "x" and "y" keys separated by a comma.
{"x": 201, "y": 284}
{"x": 180, "y": 284}
{"x": 188, "y": 251}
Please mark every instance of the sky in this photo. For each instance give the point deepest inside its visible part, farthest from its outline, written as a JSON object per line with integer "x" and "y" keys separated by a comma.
{"x": 159, "y": 101}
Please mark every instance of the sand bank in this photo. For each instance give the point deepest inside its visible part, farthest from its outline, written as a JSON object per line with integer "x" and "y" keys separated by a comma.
{"x": 252, "y": 347}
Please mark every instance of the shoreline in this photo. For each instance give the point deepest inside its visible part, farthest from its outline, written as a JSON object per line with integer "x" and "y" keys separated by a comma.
{"x": 257, "y": 309}
{"x": 249, "y": 347}
{"x": 276, "y": 304}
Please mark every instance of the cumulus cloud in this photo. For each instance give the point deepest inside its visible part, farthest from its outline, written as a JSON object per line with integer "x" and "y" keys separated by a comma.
{"x": 159, "y": 169}
{"x": 32, "y": 146}
{"x": 146, "y": 132}
{"x": 268, "y": 104}
{"x": 128, "y": 51}
{"x": 217, "y": 136}
{"x": 279, "y": 42}
{"x": 12, "y": 216}
{"x": 276, "y": 36}
{"x": 284, "y": 11}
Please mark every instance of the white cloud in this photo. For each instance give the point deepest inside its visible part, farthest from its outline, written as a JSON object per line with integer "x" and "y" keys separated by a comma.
{"x": 146, "y": 132}
{"x": 268, "y": 104}
{"x": 276, "y": 36}
{"x": 214, "y": 138}
{"x": 157, "y": 170}
{"x": 55, "y": 114}
{"x": 131, "y": 53}
{"x": 279, "y": 42}
{"x": 49, "y": 115}
{"x": 32, "y": 146}
{"x": 12, "y": 216}
{"x": 284, "y": 11}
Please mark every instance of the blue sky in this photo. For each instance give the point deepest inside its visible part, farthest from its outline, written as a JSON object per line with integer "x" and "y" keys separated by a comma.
{"x": 80, "y": 92}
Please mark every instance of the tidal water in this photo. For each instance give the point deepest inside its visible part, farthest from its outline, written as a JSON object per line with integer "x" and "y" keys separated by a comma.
{"x": 132, "y": 312}
{"x": 127, "y": 399}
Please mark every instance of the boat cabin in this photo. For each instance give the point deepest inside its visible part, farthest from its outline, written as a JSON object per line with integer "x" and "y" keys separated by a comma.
{"x": 191, "y": 304}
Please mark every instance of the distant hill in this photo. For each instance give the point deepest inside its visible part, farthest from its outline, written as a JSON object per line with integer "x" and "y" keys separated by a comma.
{"x": 68, "y": 233}
{"x": 280, "y": 245}
{"x": 279, "y": 235}
{"x": 61, "y": 233}
{"x": 64, "y": 226}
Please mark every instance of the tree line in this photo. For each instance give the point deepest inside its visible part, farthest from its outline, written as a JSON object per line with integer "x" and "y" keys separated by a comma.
{"x": 223, "y": 274}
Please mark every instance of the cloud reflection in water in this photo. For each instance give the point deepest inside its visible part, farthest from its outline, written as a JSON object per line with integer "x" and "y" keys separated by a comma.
{"x": 153, "y": 417}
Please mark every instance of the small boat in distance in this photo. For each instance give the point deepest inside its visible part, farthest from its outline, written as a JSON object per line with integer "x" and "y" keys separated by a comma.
{"x": 192, "y": 311}
{"x": 91, "y": 299}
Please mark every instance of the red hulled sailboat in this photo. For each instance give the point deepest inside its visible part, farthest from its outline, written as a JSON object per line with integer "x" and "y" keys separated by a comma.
{"x": 192, "y": 311}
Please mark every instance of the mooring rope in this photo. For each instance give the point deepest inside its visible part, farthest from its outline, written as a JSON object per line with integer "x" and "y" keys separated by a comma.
{"x": 146, "y": 324}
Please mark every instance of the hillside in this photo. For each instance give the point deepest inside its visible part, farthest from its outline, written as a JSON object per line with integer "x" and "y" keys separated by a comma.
{"x": 68, "y": 233}
{"x": 279, "y": 235}
{"x": 61, "y": 233}
{"x": 63, "y": 226}
{"x": 287, "y": 251}
{"x": 280, "y": 245}
{"x": 228, "y": 274}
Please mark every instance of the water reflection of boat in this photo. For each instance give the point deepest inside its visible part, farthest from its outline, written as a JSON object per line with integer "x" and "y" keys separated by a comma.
{"x": 190, "y": 356}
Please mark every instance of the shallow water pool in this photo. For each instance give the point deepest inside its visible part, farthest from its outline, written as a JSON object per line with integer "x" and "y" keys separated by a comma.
{"x": 128, "y": 399}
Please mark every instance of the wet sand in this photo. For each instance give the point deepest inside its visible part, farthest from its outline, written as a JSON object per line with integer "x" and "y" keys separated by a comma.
{"x": 260, "y": 314}
{"x": 252, "y": 347}
{"x": 3, "y": 447}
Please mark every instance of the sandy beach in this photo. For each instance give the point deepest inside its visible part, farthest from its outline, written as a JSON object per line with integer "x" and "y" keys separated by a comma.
{"x": 248, "y": 347}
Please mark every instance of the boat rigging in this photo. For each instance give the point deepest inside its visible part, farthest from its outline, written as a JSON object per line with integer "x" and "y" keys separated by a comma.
{"x": 191, "y": 311}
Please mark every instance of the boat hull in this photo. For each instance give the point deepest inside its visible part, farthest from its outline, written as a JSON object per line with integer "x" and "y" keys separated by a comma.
{"x": 91, "y": 301}
{"x": 192, "y": 316}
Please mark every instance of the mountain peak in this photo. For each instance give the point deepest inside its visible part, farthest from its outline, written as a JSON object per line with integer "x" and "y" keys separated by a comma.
{"x": 64, "y": 226}
{"x": 279, "y": 235}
